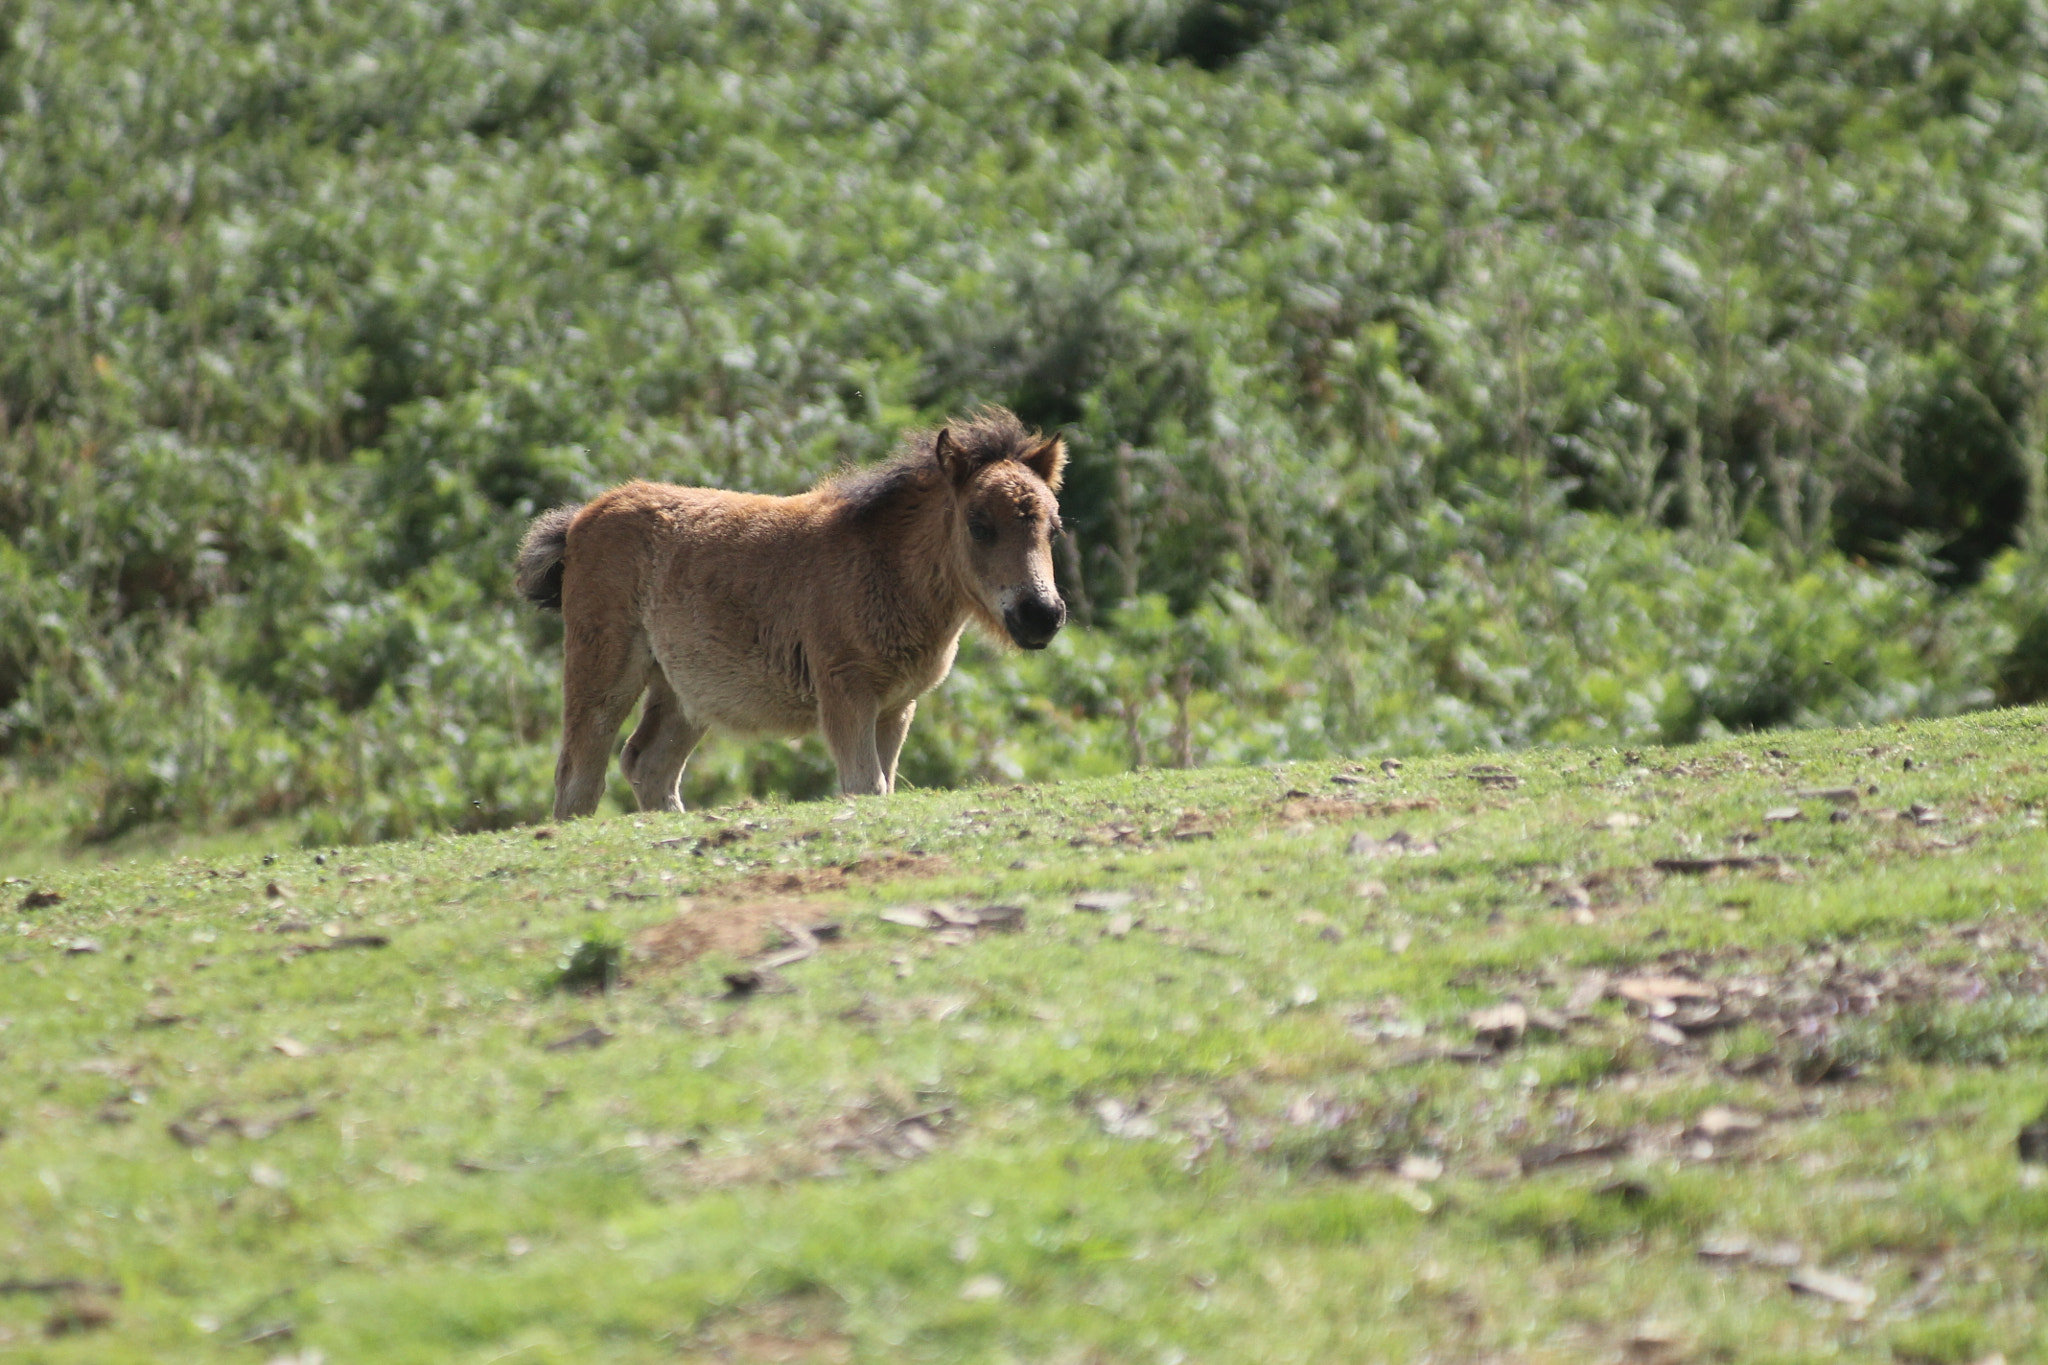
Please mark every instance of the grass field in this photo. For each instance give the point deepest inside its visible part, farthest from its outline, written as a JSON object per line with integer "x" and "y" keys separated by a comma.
{"x": 1717, "y": 1053}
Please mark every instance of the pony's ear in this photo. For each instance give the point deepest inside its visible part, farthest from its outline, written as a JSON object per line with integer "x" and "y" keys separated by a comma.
{"x": 952, "y": 460}
{"x": 1049, "y": 462}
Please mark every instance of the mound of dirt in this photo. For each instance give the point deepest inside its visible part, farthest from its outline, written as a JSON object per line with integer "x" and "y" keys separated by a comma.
{"x": 809, "y": 881}
{"x": 741, "y": 928}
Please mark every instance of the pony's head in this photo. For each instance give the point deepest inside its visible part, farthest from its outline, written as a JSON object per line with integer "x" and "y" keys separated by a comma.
{"x": 1003, "y": 479}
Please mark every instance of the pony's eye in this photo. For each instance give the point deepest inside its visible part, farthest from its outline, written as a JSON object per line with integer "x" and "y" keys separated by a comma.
{"x": 983, "y": 533}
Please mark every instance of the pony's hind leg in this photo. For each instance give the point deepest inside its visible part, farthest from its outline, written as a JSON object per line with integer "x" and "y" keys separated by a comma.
{"x": 660, "y": 746}
{"x": 603, "y": 673}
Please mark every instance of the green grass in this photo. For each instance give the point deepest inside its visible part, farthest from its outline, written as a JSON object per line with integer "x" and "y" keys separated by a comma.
{"x": 1242, "y": 1117}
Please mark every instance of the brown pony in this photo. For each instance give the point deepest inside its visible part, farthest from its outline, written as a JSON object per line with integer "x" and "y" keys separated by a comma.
{"x": 831, "y": 610}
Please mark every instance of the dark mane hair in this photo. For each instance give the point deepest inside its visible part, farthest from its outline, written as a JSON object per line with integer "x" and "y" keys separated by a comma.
{"x": 990, "y": 436}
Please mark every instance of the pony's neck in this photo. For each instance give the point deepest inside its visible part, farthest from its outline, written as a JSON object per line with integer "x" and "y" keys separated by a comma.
{"x": 934, "y": 597}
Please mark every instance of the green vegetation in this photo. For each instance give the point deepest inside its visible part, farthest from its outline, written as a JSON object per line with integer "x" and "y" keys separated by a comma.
{"x": 1595, "y": 1058}
{"x": 1441, "y": 375}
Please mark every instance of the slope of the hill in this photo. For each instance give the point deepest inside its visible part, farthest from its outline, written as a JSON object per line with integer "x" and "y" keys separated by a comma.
{"x": 1679, "y": 1054}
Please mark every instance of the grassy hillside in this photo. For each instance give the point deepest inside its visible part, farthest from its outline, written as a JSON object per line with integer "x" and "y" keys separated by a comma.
{"x": 1674, "y": 1054}
{"x": 1441, "y": 375}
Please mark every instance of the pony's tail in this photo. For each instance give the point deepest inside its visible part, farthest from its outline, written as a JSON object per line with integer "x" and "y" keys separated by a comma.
{"x": 538, "y": 572}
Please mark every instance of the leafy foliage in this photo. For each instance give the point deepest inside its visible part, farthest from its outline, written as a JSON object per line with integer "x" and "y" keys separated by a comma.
{"x": 1443, "y": 374}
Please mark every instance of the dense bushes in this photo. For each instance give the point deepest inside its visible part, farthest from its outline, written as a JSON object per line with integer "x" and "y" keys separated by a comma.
{"x": 1438, "y": 374}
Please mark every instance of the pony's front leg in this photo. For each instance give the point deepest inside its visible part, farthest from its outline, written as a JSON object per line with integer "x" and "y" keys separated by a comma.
{"x": 848, "y": 720}
{"x": 890, "y": 728}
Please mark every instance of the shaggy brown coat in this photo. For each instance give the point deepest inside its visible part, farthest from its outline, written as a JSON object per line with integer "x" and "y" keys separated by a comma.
{"x": 832, "y": 610}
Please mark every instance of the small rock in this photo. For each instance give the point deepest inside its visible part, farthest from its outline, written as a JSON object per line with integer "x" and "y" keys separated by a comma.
{"x": 2034, "y": 1141}
{"x": 1004, "y": 918}
{"x": 1363, "y": 845}
{"x": 1725, "y": 1247}
{"x": 982, "y": 1288}
{"x": 592, "y": 1037}
{"x": 1104, "y": 902}
{"x": 738, "y": 986}
{"x": 1122, "y": 1120}
{"x": 1654, "y": 1341}
{"x": 1705, "y": 867}
{"x": 1390, "y": 766}
{"x": 1719, "y": 1121}
{"x": 1783, "y": 815}
{"x": 1779, "y": 1255}
{"x": 79, "y": 1313}
{"x": 1645, "y": 990}
{"x": 1588, "y": 991}
{"x": 1500, "y": 1026}
{"x": 1826, "y": 1284}
{"x": 1547, "y": 1154}
{"x": 1419, "y": 1167}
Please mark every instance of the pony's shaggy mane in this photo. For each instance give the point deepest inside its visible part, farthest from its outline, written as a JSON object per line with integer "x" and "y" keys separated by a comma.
{"x": 989, "y": 437}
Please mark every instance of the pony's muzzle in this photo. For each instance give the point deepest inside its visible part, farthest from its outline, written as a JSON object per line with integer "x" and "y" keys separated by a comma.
{"x": 1033, "y": 621}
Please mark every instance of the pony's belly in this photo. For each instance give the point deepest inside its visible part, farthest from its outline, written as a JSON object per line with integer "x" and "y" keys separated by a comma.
{"x": 736, "y": 685}
{"x": 740, "y": 698}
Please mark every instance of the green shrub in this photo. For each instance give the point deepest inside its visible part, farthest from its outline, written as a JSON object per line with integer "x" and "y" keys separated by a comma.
{"x": 1439, "y": 375}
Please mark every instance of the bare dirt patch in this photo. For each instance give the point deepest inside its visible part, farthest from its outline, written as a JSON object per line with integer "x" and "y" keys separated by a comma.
{"x": 1298, "y": 806}
{"x": 740, "y": 928}
{"x": 878, "y": 1132}
{"x": 1816, "y": 1007}
{"x": 797, "y": 1329}
{"x": 810, "y": 881}
{"x": 748, "y": 917}
{"x": 1608, "y": 888}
